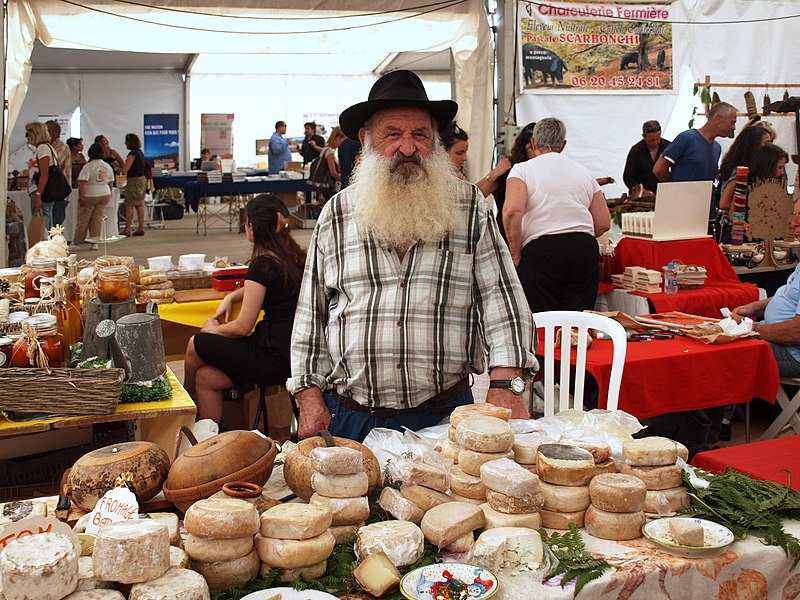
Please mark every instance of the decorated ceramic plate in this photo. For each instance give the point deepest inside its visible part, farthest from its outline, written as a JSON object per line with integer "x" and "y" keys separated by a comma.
{"x": 287, "y": 593}
{"x": 716, "y": 536}
{"x": 449, "y": 580}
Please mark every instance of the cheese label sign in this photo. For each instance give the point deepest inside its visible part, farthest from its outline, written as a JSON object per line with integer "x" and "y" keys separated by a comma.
{"x": 35, "y": 525}
{"x": 118, "y": 504}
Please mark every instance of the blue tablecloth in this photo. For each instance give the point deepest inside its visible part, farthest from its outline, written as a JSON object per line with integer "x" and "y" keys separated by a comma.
{"x": 193, "y": 190}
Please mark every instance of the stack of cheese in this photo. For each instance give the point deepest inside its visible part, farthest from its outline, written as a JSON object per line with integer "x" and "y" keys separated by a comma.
{"x": 177, "y": 556}
{"x": 514, "y": 496}
{"x": 382, "y": 548}
{"x": 155, "y": 287}
{"x": 220, "y": 541}
{"x": 652, "y": 459}
{"x": 526, "y": 446}
{"x": 451, "y": 446}
{"x": 340, "y": 484}
{"x": 452, "y": 525}
{"x": 425, "y": 485}
{"x": 616, "y": 509}
{"x": 295, "y": 539}
{"x": 43, "y": 566}
{"x": 131, "y": 551}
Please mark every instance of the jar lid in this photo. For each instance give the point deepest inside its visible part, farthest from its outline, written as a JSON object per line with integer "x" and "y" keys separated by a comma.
{"x": 31, "y": 301}
{"x": 114, "y": 270}
{"x": 17, "y": 316}
{"x": 43, "y": 263}
{"x": 6, "y": 341}
{"x": 42, "y": 320}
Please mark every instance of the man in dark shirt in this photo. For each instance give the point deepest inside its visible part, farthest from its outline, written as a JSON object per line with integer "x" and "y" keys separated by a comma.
{"x": 642, "y": 156}
{"x": 348, "y": 151}
{"x": 312, "y": 144}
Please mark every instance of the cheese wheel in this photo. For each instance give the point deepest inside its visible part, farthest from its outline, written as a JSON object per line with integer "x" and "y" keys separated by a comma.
{"x": 157, "y": 294}
{"x": 656, "y": 478}
{"x": 493, "y": 548}
{"x": 376, "y": 574}
{"x": 475, "y": 501}
{"x": 444, "y": 524}
{"x": 507, "y": 477}
{"x": 171, "y": 521}
{"x": 470, "y": 461}
{"x": 340, "y": 486}
{"x": 666, "y": 502}
{"x": 565, "y": 498}
{"x": 652, "y": 451}
{"x": 562, "y": 464}
{"x": 423, "y": 497}
{"x": 345, "y": 534}
{"x": 178, "y": 558}
{"x": 262, "y": 502}
{"x": 608, "y": 466}
{"x": 41, "y": 567}
{"x": 683, "y": 451}
{"x": 87, "y": 580}
{"x": 293, "y": 554}
{"x": 496, "y": 518}
{"x": 295, "y": 521}
{"x": 478, "y": 409}
{"x": 402, "y": 541}
{"x": 514, "y": 506}
{"x": 526, "y": 445}
{"x": 337, "y": 460}
{"x": 221, "y": 518}
{"x": 175, "y": 584}
{"x": 614, "y": 526}
{"x": 552, "y": 519}
{"x": 98, "y": 594}
{"x": 452, "y": 435}
{"x": 393, "y": 502}
{"x": 687, "y": 532}
{"x": 466, "y": 485}
{"x": 462, "y": 544}
{"x": 212, "y": 549}
{"x": 599, "y": 450}
{"x": 419, "y": 473}
{"x": 16, "y": 510}
{"x": 229, "y": 573}
{"x": 616, "y": 492}
{"x": 289, "y": 575}
{"x": 485, "y": 434}
{"x": 344, "y": 511}
{"x": 131, "y": 551}
{"x": 450, "y": 450}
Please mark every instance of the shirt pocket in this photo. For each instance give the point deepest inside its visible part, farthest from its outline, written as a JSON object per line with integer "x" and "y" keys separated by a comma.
{"x": 451, "y": 276}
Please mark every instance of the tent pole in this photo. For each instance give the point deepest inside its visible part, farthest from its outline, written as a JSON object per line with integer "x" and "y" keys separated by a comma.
{"x": 505, "y": 112}
{"x": 187, "y": 135}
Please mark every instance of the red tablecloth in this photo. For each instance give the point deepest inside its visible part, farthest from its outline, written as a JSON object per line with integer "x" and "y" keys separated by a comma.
{"x": 663, "y": 376}
{"x": 722, "y": 287}
{"x": 761, "y": 460}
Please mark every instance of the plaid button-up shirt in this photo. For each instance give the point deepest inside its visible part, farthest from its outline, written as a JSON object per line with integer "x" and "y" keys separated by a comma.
{"x": 393, "y": 334}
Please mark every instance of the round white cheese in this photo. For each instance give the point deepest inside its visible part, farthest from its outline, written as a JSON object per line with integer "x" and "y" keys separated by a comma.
{"x": 412, "y": 471}
{"x": 452, "y": 436}
{"x": 344, "y": 511}
{"x": 212, "y": 550}
{"x": 470, "y": 461}
{"x": 562, "y": 464}
{"x": 608, "y": 466}
{"x": 552, "y": 519}
{"x": 86, "y": 578}
{"x": 614, "y": 526}
{"x": 478, "y": 409}
{"x": 617, "y": 492}
{"x": 666, "y": 502}
{"x": 340, "y": 486}
{"x": 131, "y": 551}
{"x": 489, "y": 550}
{"x": 466, "y": 485}
{"x": 393, "y": 502}
{"x": 295, "y": 521}
{"x": 496, "y": 519}
{"x": 402, "y": 541}
{"x": 229, "y": 573}
{"x": 656, "y": 478}
{"x": 510, "y": 505}
{"x": 652, "y": 451}
{"x": 221, "y": 518}
{"x": 507, "y": 477}
{"x": 423, "y": 497}
{"x": 444, "y": 524}
{"x": 43, "y": 566}
{"x": 526, "y": 445}
{"x": 485, "y": 434}
{"x": 175, "y": 584}
{"x": 565, "y": 498}
{"x": 293, "y": 554}
{"x": 337, "y": 460}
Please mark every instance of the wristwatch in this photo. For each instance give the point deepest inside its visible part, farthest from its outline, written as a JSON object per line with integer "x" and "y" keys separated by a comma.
{"x": 516, "y": 385}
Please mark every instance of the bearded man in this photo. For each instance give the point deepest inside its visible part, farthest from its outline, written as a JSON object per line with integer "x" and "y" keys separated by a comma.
{"x": 408, "y": 287}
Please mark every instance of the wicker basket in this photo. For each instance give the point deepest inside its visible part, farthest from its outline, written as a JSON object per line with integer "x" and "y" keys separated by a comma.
{"x": 61, "y": 391}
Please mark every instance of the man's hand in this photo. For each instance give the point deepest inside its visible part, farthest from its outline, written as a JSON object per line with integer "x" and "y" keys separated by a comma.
{"x": 314, "y": 414}
{"x": 508, "y": 399}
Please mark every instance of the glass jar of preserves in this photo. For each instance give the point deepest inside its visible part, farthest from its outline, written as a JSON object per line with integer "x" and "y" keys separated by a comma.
{"x": 6, "y": 347}
{"x": 51, "y": 343}
{"x": 113, "y": 284}
{"x": 36, "y": 269}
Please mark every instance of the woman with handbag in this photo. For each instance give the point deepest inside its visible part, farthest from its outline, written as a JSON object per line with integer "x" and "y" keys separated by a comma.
{"x": 43, "y": 171}
{"x": 136, "y": 186}
{"x": 329, "y": 156}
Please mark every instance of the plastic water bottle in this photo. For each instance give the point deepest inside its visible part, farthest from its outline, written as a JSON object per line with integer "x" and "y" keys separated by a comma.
{"x": 670, "y": 279}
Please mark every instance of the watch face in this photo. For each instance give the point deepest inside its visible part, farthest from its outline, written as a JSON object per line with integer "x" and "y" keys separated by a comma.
{"x": 517, "y": 385}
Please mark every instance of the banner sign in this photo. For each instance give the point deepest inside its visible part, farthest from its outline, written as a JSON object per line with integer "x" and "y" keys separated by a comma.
{"x": 216, "y": 134}
{"x": 162, "y": 141}
{"x": 569, "y": 46}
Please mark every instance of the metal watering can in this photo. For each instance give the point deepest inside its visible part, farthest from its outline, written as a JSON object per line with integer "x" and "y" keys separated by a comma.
{"x": 136, "y": 345}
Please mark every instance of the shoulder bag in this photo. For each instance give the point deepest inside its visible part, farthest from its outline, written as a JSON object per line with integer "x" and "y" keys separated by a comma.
{"x": 319, "y": 177}
{"x": 57, "y": 187}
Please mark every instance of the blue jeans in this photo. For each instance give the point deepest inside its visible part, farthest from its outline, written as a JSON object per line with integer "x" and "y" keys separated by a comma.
{"x": 787, "y": 364}
{"x": 47, "y": 211}
{"x": 355, "y": 425}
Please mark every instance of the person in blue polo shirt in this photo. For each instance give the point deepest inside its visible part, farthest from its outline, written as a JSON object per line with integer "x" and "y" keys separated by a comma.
{"x": 279, "y": 151}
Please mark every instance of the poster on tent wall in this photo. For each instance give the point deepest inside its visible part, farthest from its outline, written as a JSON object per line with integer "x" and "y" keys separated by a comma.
{"x": 161, "y": 142}
{"x": 216, "y": 134}
{"x": 580, "y": 46}
{"x": 65, "y": 121}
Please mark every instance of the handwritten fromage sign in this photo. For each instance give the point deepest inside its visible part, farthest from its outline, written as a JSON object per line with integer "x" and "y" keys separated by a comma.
{"x": 36, "y": 525}
{"x": 118, "y": 504}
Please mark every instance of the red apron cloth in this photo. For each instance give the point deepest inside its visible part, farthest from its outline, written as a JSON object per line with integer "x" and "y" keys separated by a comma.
{"x": 761, "y": 460}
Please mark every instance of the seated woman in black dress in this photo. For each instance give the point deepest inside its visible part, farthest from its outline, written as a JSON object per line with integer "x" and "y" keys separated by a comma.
{"x": 225, "y": 353}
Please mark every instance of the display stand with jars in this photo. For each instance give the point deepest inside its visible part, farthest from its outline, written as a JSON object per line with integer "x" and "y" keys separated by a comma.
{"x": 115, "y": 299}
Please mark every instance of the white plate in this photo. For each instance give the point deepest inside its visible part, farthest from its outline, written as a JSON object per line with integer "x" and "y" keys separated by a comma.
{"x": 288, "y": 593}
{"x": 716, "y": 536}
{"x": 417, "y": 584}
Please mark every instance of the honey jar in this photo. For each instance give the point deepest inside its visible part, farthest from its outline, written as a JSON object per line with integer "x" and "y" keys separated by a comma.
{"x": 6, "y": 347}
{"x": 51, "y": 342}
{"x": 113, "y": 283}
{"x": 38, "y": 268}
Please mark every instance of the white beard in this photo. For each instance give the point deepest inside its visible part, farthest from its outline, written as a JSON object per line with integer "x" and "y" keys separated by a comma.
{"x": 399, "y": 203}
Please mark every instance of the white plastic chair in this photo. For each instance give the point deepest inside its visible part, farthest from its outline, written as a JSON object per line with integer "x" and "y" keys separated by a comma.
{"x": 789, "y": 417}
{"x": 569, "y": 320}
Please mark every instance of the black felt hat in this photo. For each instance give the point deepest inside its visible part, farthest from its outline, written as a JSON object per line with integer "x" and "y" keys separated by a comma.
{"x": 398, "y": 88}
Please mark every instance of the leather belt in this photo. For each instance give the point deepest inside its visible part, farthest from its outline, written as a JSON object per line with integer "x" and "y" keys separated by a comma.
{"x": 432, "y": 405}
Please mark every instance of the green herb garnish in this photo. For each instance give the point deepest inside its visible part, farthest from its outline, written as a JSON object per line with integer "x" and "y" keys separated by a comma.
{"x": 574, "y": 562}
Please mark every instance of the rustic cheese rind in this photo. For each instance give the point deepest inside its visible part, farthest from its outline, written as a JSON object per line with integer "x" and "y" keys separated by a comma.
{"x": 16, "y": 510}
{"x": 212, "y": 550}
{"x": 178, "y": 558}
{"x": 337, "y": 460}
{"x": 562, "y": 464}
{"x": 40, "y": 567}
{"x": 419, "y": 473}
{"x": 687, "y": 532}
{"x": 475, "y": 501}
{"x": 452, "y": 435}
{"x": 656, "y": 478}
{"x": 293, "y": 554}
{"x": 651, "y": 451}
{"x": 608, "y": 466}
{"x": 295, "y": 521}
{"x": 507, "y": 477}
{"x": 344, "y": 511}
{"x": 564, "y": 498}
{"x": 423, "y": 497}
{"x": 470, "y": 461}
{"x": 289, "y": 575}
{"x": 175, "y": 584}
{"x": 526, "y": 445}
{"x": 485, "y": 434}
{"x": 98, "y": 594}
{"x": 665, "y": 502}
{"x": 478, "y": 409}
{"x": 230, "y": 573}
{"x": 402, "y": 541}
{"x": 394, "y": 503}
{"x": 340, "y": 486}
{"x": 87, "y": 580}
{"x": 171, "y": 521}
{"x": 561, "y": 520}
{"x": 617, "y": 492}
{"x": 450, "y": 450}
{"x": 515, "y": 506}
{"x": 345, "y": 534}
{"x": 462, "y": 544}
{"x": 466, "y": 485}
{"x": 131, "y": 551}
{"x": 377, "y": 574}
{"x": 499, "y": 548}
{"x": 599, "y": 450}
{"x": 442, "y": 525}
{"x": 496, "y": 519}
{"x": 221, "y": 518}
{"x": 614, "y": 526}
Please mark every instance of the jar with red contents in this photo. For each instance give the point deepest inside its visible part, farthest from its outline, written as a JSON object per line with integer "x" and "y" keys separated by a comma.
{"x": 50, "y": 341}
{"x": 38, "y": 268}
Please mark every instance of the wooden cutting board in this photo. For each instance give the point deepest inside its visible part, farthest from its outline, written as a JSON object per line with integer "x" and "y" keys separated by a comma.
{"x": 199, "y": 295}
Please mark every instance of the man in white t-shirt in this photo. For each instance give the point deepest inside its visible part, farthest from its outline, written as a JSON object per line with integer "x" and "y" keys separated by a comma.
{"x": 553, "y": 212}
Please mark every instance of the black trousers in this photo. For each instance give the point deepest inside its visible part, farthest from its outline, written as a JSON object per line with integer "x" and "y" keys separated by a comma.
{"x": 560, "y": 272}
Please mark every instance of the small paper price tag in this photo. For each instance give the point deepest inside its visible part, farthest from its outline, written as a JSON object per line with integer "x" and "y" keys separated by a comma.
{"x": 118, "y": 504}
